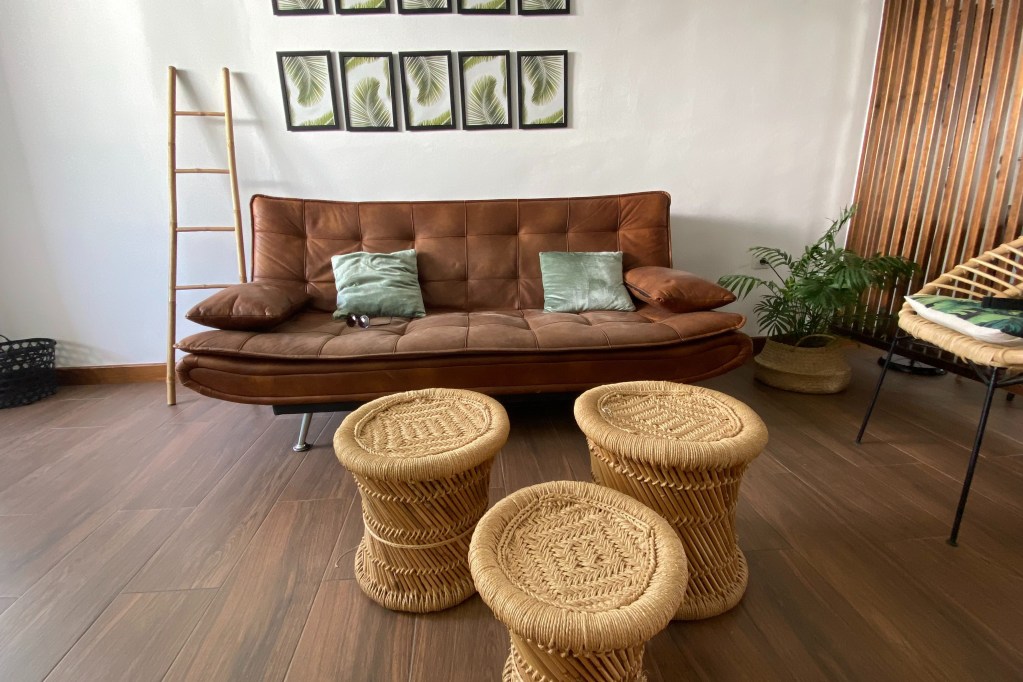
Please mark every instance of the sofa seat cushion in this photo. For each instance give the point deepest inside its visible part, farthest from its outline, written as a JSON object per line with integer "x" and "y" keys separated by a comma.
{"x": 312, "y": 335}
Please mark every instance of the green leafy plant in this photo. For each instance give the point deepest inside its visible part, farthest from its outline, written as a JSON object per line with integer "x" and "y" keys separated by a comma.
{"x": 443, "y": 119}
{"x": 557, "y": 117}
{"x": 490, "y": 4}
{"x": 368, "y": 4}
{"x": 808, "y": 293}
{"x": 309, "y": 77}
{"x": 292, "y": 5}
{"x": 430, "y": 74}
{"x": 324, "y": 120}
{"x": 352, "y": 63}
{"x": 544, "y": 74}
{"x": 367, "y": 109}
{"x": 484, "y": 107}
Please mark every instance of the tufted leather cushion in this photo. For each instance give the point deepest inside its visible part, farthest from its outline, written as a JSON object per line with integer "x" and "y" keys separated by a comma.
{"x": 473, "y": 255}
{"x": 316, "y": 335}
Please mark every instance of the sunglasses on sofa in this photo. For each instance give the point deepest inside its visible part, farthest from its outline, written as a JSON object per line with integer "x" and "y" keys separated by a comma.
{"x": 360, "y": 321}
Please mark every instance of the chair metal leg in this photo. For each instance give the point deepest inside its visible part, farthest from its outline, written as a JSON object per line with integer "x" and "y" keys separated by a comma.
{"x": 992, "y": 385}
{"x": 877, "y": 389}
{"x": 301, "y": 445}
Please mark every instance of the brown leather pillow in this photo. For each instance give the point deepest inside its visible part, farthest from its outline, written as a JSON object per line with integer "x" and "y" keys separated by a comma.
{"x": 252, "y": 306}
{"x": 675, "y": 290}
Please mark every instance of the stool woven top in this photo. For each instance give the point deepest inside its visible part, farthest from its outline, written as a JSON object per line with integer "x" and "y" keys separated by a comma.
{"x": 577, "y": 567}
{"x": 661, "y": 422}
{"x": 421, "y": 435}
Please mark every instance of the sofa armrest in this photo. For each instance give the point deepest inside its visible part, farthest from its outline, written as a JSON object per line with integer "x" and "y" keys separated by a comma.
{"x": 253, "y": 306}
{"x": 675, "y": 290}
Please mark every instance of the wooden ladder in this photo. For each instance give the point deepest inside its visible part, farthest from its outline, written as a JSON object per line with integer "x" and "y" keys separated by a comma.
{"x": 175, "y": 229}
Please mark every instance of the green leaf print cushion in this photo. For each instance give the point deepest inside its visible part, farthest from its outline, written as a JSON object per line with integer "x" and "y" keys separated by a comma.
{"x": 964, "y": 315}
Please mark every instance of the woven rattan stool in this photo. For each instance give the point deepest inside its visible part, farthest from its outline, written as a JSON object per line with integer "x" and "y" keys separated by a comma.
{"x": 682, "y": 451}
{"x": 422, "y": 462}
{"x": 582, "y": 576}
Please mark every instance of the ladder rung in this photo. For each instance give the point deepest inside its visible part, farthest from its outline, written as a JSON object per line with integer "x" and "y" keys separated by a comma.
{"x": 218, "y": 171}
{"x": 198, "y": 113}
{"x": 228, "y": 228}
{"x": 191, "y": 287}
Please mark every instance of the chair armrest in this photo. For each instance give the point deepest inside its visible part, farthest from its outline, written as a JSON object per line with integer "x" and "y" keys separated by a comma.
{"x": 675, "y": 290}
{"x": 253, "y": 306}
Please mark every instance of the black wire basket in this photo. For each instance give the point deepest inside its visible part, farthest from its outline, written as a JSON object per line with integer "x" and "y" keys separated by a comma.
{"x": 26, "y": 370}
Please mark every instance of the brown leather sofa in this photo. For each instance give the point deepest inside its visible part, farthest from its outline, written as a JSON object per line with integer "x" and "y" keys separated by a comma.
{"x": 485, "y": 328}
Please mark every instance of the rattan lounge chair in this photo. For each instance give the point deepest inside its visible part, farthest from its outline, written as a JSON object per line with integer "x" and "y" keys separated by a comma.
{"x": 997, "y": 273}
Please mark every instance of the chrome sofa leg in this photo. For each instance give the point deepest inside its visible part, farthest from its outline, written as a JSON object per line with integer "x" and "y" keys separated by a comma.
{"x": 303, "y": 431}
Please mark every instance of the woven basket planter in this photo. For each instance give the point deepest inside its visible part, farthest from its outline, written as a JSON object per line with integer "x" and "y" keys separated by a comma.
{"x": 422, "y": 462}
{"x": 682, "y": 451}
{"x": 803, "y": 370}
{"x": 583, "y": 576}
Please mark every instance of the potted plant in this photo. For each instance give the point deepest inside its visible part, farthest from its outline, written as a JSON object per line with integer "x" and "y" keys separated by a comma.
{"x": 802, "y": 301}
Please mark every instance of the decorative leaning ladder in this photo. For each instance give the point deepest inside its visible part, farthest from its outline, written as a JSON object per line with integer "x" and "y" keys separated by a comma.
{"x": 175, "y": 229}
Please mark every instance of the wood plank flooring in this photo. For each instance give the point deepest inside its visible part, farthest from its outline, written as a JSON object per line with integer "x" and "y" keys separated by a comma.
{"x": 143, "y": 542}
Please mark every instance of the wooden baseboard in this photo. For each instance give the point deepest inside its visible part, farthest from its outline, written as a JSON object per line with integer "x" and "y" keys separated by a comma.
{"x": 111, "y": 374}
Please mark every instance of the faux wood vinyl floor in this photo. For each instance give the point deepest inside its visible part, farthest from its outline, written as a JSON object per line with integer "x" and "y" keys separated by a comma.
{"x": 142, "y": 542}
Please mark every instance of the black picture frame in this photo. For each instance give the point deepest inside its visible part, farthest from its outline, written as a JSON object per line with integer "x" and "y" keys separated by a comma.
{"x": 325, "y": 9}
{"x": 384, "y": 9}
{"x": 463, "y": 57}
{"x": 476, "y": 10}
{"x": 331, "y": 91}
{"x": 449, "y": 6}
{"x": 524, "y": 116}
{"x": 538, "y": 12}
{"x": 347, "y": 94}
{"x": 406, "y": 90}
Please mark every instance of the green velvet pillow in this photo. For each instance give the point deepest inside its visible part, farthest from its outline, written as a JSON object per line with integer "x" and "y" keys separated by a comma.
{"x": 577, "y": 281}
{"x": 378, "y": 284}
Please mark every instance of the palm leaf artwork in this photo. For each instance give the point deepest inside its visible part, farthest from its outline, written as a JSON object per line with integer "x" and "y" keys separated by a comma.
{"x": 325, "y": 120}
{"x": 352, "y": 63}
{"x": 443, "y": 119}
{"x": 430, "y": 74}
{"x": 476, "y": 61}
{"x": 545, "y": 74}
{"x": 540, "y": 5}
{"x": 484, "y": 107}
{"x": 425, "y": 4}
{"x": 557, "y": 117}
{"x": 308, "y": 76}
{"x": 368, "y": 4}
{"x": 296, "y": 5}
{"x": 367, "y": 108}
{"x": 487, "y": 4}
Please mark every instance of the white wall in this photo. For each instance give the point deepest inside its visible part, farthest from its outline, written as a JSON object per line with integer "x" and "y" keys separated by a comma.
{"x": 750, "y": 112}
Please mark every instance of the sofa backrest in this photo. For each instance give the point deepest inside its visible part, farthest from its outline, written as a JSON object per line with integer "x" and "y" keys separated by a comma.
{"x": 472, "y": 255}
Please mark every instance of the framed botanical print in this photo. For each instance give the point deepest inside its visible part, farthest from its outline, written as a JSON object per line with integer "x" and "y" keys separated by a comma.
{"x": 533, "y": 7}
{"x": 363, "y": 6}
{"x": 486, "y": 90}
{"x": 368, "y": 91}
{"x": 543, "y": 89}
{"x": 307, "y": 85}
{"x": 290, "y": 7}
{"x": 424, "y": 6}
{"x": 484, "y": 6}
{"x": 427, "y": 87}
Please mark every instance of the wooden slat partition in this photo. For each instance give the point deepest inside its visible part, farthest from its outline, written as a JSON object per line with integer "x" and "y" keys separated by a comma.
{"x": 940, "y": 177}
